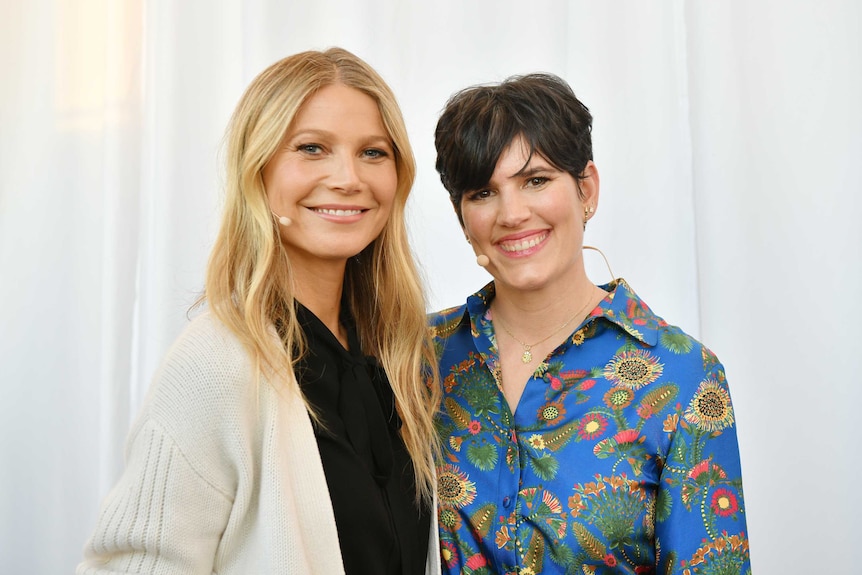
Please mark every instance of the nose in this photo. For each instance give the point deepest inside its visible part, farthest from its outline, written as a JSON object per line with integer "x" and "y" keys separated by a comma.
{"x": 345, "y": 174}
{"x": 514, "y": 208}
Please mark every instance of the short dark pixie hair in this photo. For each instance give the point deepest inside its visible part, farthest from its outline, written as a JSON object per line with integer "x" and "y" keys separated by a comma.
{"x": 480, "y": 122}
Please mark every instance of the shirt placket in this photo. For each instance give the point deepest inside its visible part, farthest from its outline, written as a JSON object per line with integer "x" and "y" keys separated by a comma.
{"x": 508, "y": 519}
{"x": 509, "y": 482}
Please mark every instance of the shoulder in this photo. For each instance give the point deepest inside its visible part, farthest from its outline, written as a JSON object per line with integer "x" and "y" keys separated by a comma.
{"x": 206, "y": 343}
{"x": 684, "y": 362}
{"x": 206, "y": 395}
{"x": 449, "y": 321}
{"x": 684, "y": 352}
{"x": 449, "y": 329}
{"x": 438, "y": 320}
{"x": 677, "y": 353}
{"x": 205, "y": 366}
{"x": 675, "y": 369}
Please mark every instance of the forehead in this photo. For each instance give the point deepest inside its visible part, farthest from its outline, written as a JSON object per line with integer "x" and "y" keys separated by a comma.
{"x": 340, "y": 108}
{"x": 517, "y": 157}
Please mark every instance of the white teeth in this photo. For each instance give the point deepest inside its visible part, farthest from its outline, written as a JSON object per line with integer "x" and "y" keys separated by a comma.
{"x": 340, "y": 213}
{"x": 518, "y": 246}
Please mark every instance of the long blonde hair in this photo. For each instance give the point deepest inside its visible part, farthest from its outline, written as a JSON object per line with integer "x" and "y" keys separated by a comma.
{"x": 248, "y": 282}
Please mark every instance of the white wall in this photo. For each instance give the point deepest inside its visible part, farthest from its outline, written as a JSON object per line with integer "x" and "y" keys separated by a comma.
{"x": 728, "y": 137}
{"x": 777, "y": 185}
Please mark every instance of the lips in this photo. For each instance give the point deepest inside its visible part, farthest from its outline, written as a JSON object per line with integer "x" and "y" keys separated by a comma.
{"x": 523, "y": 243}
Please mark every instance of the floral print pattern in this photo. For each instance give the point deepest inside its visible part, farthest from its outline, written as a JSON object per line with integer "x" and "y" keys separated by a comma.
{"x": 621, "y": 456}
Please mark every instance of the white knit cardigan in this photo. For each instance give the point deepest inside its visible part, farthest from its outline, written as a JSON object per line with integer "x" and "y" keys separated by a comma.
{"x": 222, "y": 476}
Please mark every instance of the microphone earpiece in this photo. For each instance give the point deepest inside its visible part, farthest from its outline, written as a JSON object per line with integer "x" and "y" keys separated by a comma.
{"x": 483, "y": 260}
{"x": 283, "y": 220}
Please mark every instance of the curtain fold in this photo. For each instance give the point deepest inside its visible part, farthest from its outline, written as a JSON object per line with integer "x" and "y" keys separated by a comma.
{"x": 70, "y": 186}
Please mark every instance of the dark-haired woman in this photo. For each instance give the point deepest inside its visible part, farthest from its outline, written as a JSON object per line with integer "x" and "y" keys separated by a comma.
{"x": 581, "y": 432}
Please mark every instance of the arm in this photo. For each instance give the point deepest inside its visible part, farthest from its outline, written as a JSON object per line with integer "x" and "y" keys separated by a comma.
{"x": 700, "y": 519}
{"x": 162, "y": 517}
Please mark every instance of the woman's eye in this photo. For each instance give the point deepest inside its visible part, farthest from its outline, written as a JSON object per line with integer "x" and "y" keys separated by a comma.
{"x": 479, "y": 195}
{"x": 537, "y": 181}
{"x": 309, "y": 148}
{"x": 374, "y": 153}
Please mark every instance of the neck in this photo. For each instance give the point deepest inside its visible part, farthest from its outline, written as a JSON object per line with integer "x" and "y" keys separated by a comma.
{"x": 320, "y": 291}
{"x": 531, "y": 313}
{"x": 554, "y": 297}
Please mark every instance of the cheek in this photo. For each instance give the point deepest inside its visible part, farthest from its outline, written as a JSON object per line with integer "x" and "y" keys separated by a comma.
{"x": 476, "y": 222}
{"x": 269, "y": 187}
{"x": 278, "y": 181}
{"x": 385, "y": 186}
{"x": 386, "y": 196}
{"x": 392, "y": 187}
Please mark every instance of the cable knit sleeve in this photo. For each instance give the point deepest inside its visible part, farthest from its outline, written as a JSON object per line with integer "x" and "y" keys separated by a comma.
{"x": 161, "y": 518}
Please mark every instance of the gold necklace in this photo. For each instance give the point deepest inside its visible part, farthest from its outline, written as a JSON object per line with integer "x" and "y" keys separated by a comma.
{"x": 527, "y": 356}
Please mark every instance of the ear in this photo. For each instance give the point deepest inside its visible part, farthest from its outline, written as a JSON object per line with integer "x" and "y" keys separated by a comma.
{"x": 589, "y": 185}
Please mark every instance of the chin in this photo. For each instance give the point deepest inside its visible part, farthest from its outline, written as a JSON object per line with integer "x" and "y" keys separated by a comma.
{"x": 523, "y": 283}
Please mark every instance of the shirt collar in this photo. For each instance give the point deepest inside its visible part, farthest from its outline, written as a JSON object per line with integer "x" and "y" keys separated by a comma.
{"x": 622, "y": 307}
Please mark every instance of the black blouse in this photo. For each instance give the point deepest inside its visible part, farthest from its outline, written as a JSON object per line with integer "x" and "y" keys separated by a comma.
{"x": 368, "y": 470}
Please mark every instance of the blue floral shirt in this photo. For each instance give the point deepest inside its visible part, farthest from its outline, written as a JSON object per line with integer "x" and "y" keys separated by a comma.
{"x": 621, "y": 456}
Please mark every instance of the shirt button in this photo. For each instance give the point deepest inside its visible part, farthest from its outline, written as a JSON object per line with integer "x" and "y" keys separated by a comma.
{"x": 506, "y": 501}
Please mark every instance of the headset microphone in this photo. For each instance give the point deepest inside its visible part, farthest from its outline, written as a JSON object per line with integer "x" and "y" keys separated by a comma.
{"x": 283, "y": 220}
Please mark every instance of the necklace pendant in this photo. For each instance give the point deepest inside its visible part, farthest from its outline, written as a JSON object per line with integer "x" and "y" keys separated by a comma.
{"x": 527, "y": 357}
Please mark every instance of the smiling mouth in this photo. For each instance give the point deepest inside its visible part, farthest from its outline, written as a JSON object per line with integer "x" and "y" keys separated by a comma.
{"x": 337, "y": 213}
{"x": 523, "y": 244}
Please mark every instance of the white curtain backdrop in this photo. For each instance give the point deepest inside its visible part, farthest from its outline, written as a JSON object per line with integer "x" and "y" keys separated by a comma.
{"x": 728, "y": 136}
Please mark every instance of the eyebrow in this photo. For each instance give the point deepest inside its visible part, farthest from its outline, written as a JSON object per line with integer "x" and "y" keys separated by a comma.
{"x": 310, "y": 132}
{"x": 381, "y": 139}
{"x": 315, "y": 133}
{"x": 529, "y": 170}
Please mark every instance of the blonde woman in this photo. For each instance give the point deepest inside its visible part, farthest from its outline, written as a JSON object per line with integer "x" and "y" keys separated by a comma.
{"x": 289, "y": 429}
